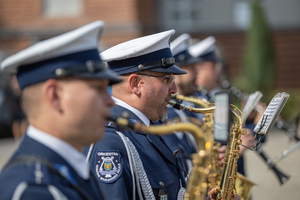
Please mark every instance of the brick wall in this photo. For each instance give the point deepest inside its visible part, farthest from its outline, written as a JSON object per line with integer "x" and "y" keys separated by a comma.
{"x": 23, "y": 23}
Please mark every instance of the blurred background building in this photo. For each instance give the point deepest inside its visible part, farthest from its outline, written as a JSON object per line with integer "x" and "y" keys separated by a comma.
{"x": 23, "y": 23}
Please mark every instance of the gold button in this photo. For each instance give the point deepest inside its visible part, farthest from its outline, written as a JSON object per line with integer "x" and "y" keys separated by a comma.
{"x": 161, "y": 183}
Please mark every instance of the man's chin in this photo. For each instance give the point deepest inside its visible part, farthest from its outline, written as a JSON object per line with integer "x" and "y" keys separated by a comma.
{"x": 165, "y": 115}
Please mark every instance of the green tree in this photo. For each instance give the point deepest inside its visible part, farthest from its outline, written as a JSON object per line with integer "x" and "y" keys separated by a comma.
{"x": 258, "y": 61}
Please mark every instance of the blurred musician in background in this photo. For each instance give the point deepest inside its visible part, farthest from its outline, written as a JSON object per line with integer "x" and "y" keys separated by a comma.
{"x": 186, "y": 86}
{"x": 13, "y": 122}
{"x": 208, "y": 81}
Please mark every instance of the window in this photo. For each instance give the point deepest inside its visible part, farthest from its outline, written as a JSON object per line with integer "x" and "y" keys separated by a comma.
{"x": 62, "y": 8}
{"x": 181, "y": 15}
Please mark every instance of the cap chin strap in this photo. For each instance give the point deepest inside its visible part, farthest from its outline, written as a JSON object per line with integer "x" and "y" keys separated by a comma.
{"x": 164, "y": 62}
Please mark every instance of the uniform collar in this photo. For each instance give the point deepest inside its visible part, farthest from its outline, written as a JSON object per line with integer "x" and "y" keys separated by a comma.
{"x": 75, "y": 158}
{"x": 138, "y": 113}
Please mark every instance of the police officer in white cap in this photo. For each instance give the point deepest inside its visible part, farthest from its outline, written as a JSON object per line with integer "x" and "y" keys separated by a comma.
{"x": 209, "y": 67}
{"x": 64, "y": 83}
{"x": 186, "y": 86}
{"x": 133, "y": 164}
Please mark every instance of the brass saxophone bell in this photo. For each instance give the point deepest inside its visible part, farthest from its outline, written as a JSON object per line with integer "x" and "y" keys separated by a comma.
{"x": 243, "y": 186}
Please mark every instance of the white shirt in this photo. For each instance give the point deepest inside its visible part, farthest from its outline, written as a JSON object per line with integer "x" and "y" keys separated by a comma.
{"x": 138, "y": 113}
{"x": 75, "y": 158}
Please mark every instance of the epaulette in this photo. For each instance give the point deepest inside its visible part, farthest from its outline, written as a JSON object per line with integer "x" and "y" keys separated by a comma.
{"x": 38, "y": 174}
{"x": 37, "y": 170}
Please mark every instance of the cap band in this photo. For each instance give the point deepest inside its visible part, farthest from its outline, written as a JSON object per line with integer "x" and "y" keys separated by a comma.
{"x": 41, "y": 71}
{"x": 182, "y": 56}
{"x": 210, "y": 56}
{"x": 163, "y": 58}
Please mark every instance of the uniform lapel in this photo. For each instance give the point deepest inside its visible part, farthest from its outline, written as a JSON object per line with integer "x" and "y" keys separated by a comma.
{"x": 162, "y": 148}
{"x": 153, "y": 139}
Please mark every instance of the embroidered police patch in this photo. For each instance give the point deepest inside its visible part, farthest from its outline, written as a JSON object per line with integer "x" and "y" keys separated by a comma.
{"x": 108, "y": 167}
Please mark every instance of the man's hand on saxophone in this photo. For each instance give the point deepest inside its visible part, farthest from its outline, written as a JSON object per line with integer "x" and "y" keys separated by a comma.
{"x": 212, "y": 195}
{"x": 221, "y": 155}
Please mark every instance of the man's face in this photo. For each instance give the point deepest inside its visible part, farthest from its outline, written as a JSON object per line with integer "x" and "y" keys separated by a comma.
{"x": 86, "y": 106}
{"x": 186, "y": 82}
{"x": 156, "y": 94}
{"x": 208, "y": 75}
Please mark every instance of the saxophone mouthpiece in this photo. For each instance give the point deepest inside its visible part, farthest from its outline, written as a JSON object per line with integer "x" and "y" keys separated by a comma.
{"x": 173, "y": 96}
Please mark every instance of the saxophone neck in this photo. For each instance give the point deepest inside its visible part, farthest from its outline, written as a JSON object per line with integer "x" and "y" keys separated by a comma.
{"x": 198, "y": 101}
{"x": 204, "y": 142}
{"x": 206, "y": 107}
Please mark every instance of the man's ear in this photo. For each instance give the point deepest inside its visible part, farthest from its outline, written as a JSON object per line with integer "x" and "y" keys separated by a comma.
{"x": 52, "y": 93}
{"x": 135, "y": 83}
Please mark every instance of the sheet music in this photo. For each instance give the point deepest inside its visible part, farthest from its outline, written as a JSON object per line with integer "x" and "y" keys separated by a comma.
{"x": 251, "y": 103}
{"x": 271, "y": 113}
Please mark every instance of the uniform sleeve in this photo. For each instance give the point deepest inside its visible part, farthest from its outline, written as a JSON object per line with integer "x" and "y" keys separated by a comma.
{"x": 39, "y": 192}
{"x": 24, "y": 191}
{"x": 105, "y": 155}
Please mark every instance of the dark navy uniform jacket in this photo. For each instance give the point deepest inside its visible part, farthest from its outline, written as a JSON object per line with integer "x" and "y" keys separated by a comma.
{"x": 184, "y": 143}
{"x": 39, "y": 177}
{"x": 162, "y": 168}
{"x": 200, "y": 94}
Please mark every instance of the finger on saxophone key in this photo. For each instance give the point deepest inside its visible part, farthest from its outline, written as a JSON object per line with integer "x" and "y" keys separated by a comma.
{"x": 221, "y": 155}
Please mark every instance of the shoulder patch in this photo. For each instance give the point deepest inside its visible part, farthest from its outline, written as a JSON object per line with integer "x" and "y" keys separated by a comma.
{"x": 108, "y": 167}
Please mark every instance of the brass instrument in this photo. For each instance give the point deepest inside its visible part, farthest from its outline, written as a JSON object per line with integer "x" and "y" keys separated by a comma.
{"x": 214, "y": 176}
{"x": 206, "y": 106}
{"x": 243, "y": 185}
{"x": 281, "y": 124}
{"x": 226, "y": 189}
{"x": 196, "y": 187}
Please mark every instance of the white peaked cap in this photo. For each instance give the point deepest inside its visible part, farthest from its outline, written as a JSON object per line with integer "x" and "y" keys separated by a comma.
{"x": 71, "y": 54}
{"x": 81, "y": 39}
{"x": 203, "y": 47}
{"x": 180, "y": 44}
{"x": 138, "y": 47}
{"x": 145, "y": 53}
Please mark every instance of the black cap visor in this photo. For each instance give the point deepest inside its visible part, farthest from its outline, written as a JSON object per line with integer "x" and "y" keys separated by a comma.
{"x": 108, "y": 74}
{"x": 169, "y": 70}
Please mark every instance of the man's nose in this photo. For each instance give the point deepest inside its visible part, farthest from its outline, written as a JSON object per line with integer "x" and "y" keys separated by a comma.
{"x": 173, "y": 88}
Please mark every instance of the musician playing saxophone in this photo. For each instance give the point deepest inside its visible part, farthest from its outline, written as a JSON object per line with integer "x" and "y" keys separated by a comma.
{"x": 185, "y": 86}
{"x": 147, "y": 67}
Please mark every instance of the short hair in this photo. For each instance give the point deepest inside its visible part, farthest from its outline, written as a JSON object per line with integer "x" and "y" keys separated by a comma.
{"x": 31, "y": 97}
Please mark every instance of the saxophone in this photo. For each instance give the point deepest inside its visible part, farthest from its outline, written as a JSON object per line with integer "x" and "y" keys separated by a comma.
{"x": 243, "y": 185}
{"x": 196, "y": 186}
{"x": 226, "y": 188}
{"x": 215, "y": 170}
